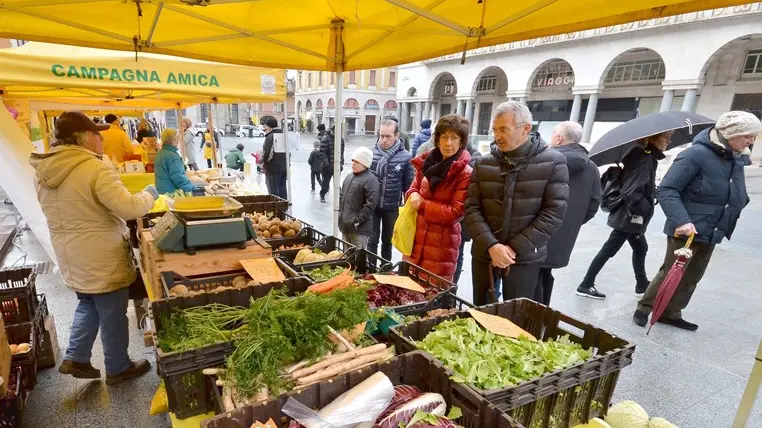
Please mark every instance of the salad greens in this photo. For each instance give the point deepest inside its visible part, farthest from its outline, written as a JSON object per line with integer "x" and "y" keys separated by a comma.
{"x": 324, "y": 273}
{"x": 488, "y": 361}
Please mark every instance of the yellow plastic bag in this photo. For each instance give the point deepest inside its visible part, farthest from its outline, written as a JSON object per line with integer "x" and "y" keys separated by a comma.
{"x": 404, "y": 229}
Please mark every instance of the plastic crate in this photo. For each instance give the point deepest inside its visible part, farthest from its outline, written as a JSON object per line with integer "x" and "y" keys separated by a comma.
{"x": 18, "y": 295}
{"x": 262, "y": 203}
{"x": 12, "y": 405}
{"x": 25, "y": 333}
{"x": 361, "y": 261}
{"x": 326, "y": 245}
{"x": 277, "y": 242}
{"x": 414, "y": 369}
{"x": 563, "y": 398}
{"x": 426, "y": 279}
{"x": 189, "y": 392}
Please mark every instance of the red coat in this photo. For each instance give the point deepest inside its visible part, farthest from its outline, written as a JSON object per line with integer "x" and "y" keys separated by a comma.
{"x": 437, "y": 233}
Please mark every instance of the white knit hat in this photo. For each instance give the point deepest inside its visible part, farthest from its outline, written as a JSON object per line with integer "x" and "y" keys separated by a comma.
{"x": 737, "y": 123}
{"x": 363, "y": 155}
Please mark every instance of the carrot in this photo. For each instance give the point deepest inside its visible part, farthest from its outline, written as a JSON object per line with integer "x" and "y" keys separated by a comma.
{"x": 338, "y": 282}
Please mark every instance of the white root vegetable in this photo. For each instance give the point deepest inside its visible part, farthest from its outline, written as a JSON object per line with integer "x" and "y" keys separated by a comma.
{"x": 338, "y": 369}
{"x": 237, "y": 398}
{"x": 337, "y": 358}
{"x": 227, "y": 400}
{"x": 262, "y": 394}
{"x": 301, "y": 364}
{"x": 212, "y": 371}
{"x": 220, "y": 382}
{"x": 341, "y": 339}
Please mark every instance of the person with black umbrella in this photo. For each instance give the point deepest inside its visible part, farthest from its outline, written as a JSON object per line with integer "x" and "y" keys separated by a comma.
{"x": 630, "y": 217}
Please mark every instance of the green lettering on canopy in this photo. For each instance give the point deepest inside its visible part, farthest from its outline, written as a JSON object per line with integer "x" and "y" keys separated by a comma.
{"x": 72, "y": 72}
{"x": 213, "y": 81}
{"x": 142, "y": 75}
{"x": 115, "y": 75}
{"x": 155, "y": 77}
{"x": 88, "y": 72}
{"x": 128, "y": 75}
{"x": 202, "y": 80}
{"x": 102, "y": 73}
{"x": 171, "y": 79}
{"x": 185, "y": 78}
{"x": 57, "y": 69}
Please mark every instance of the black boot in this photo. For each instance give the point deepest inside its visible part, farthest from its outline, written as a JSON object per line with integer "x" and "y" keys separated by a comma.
{"x": 640, "y": 318}
{"x": 641, "y": 287}
{"x": 679, "y": 323}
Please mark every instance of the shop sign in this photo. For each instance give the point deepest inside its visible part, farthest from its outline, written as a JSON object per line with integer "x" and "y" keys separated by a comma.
{"x": 553, "y": 79}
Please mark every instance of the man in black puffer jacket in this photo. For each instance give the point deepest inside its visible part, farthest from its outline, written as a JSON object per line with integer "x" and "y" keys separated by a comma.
{"x": 702, "y": 194}
{"x": 630, "y": 217}
{"x": 516, "y": 201}
{"x": 326, "y": 148}
{"x": 584, "y": 200}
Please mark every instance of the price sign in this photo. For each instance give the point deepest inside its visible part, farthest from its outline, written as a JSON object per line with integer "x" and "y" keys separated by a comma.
{"x": 500, "y": 326}
{"x": 400, "y": 281}
{"x": 264, "y": 270}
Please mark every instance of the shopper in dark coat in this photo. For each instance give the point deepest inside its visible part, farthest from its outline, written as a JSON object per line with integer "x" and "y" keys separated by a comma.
{"x": 359, "y": 195}
{"x": 326, "y": 148}
{"x": 584, "y": 200}
{"x": 275, "y": 159}
{"x": 391, "y": 166}
{"x": 703, "y": 193}
{"x": 630, "y": 218}
{"x": 464, "y": 235}
{"x": 516, "y": 201}
{"x": 423, "y": 136}
{"x": 321, "y": 131}
{"x": 318, "y": 162}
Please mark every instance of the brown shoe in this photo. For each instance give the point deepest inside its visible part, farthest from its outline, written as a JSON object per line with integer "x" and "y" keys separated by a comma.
{"x": 138, "y": 368}
{"x": 79, "y": 370}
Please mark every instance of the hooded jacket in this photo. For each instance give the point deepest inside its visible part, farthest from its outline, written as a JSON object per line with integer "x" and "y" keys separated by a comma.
{"x": 86, "y": 204}
{"x": 420, "y": 138}
{"x": 438, "y": 229}
{"x": 519, "y": 205}
{"x": 395, "y": 179}
{"x": 638, "y": 190}
{"x": 359, "y": 195}
{"x": 234, "y": 159}
{"x": 274, "y": 152}
{"x": 170, "y": 172}
{"x": 116, "y": 143}
{"x": 584, "y": 200}
{"x": 326, "y": 147}
{"x": 705, "y": 186}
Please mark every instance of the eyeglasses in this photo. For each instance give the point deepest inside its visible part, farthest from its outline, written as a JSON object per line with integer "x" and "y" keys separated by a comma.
{"x": 504, "y": 129}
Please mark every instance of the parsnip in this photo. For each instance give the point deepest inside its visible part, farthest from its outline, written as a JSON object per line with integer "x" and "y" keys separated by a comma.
{"x": 336, "y": 358}
{"x": 338, "y": 369}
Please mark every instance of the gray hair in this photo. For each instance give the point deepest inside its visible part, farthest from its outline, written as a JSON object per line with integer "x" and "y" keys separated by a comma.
{"x": 76, "y": 139}
{"x": 572, "y": 131}
{"x": 393, "y": 123}
{"x": 521, "y": 113}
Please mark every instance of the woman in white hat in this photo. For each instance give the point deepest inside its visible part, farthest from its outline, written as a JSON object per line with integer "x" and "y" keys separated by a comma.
{"x": 702, "y": 194}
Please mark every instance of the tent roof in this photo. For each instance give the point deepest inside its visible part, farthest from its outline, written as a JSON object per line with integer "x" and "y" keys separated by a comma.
{"x": 304, "y": 34}
{"x": 87, "y": 76}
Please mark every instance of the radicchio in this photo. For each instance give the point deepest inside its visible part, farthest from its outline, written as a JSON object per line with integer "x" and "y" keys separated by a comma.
{"x": 390, "y": 296}
{"x": 429, "y": 402}
{"x": 402, "y": 394}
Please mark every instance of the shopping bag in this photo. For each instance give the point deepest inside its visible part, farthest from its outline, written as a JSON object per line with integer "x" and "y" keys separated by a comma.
{"x": 404, "y": 229}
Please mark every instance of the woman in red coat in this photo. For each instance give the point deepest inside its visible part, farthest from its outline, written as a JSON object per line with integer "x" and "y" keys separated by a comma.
{"x": 439, "y": 193}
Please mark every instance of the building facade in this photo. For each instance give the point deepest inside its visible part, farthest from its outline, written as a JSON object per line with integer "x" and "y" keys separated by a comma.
{"x": 706, "y": 62}
{"x": 368, "y": 99}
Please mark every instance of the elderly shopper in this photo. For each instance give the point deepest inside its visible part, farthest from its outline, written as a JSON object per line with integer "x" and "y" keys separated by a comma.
{"x": 168, "y": 166}
{"x": 629, "y": 219}
{"x": 86, "y": 205}
{"x": 189, "y": 145}
{"x": 702, "y": 194}
{"x": 516, "y": 202}
{"x": 584, "y": 200}
{"x": 391, "y": 166}
{"x": 359, "y": 195}
{"x": 438, "y": 193}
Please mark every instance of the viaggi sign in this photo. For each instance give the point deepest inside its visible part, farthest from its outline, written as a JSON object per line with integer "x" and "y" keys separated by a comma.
{"x": 134, "y": 75}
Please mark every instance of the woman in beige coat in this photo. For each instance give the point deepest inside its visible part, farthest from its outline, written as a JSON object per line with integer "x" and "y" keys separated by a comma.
{"x": 86, "y": 204}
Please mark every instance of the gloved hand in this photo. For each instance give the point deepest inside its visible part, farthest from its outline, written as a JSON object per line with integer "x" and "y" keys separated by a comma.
{"x": 152, "y": 190}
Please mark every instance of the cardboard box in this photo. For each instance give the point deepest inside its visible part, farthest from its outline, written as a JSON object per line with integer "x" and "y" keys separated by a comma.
{"x": 5, "y": 358}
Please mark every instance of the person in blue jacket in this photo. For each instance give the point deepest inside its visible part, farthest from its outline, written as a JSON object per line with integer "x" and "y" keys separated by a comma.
{"x": 702, "y": 194}
{"x": 168, "y": 165}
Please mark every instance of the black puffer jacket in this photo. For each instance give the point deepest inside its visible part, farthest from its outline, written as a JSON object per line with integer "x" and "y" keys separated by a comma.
{"x": 520, "y": 206}
{"x": 638, "y": 190}
{"x": 584, "y": 200}
{"x": 326, "y": 147}
{"x": 359, "y": 196}
{"x": 475, "y": 154}
{"x": 274, "y": 152}
{"x": 395, "y": 179}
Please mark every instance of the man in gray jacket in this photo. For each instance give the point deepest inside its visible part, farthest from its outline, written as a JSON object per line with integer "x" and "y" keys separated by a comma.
{"x": 359, "y": 196}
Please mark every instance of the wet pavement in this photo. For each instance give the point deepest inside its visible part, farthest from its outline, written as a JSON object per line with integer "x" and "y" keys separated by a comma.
{"x": 694, "y": 379}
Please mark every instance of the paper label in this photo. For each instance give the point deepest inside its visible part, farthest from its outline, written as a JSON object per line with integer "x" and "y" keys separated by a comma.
{"x": 499, "y": 326}
{"x": 267, "y": 84}
{"x": 263, "y": 270}
{"x": 400, "y": 281}
{"x": 268, "y": 424}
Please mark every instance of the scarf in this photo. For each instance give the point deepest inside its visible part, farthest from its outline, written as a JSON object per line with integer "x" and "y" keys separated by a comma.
{"x": 435, "y": 168}
{"x": 383, "y": 160}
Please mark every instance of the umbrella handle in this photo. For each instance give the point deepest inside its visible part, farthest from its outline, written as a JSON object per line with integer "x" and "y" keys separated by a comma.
{"x": 689, "y": 241}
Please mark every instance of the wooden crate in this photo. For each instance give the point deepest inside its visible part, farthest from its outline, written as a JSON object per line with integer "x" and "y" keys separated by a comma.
{"x": 153, "y": 261}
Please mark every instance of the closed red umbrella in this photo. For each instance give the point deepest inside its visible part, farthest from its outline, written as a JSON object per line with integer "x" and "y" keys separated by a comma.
{"x": 668, "y": 287}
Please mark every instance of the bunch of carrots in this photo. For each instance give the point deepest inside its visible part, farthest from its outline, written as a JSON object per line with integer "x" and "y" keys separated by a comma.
{"x": 338, "y": 282}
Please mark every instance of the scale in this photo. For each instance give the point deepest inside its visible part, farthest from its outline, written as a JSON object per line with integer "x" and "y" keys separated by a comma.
{"x": 198, "y": 222}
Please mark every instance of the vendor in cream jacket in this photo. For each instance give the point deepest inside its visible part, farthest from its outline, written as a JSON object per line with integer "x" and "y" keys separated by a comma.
{"x": 86, "y": 206}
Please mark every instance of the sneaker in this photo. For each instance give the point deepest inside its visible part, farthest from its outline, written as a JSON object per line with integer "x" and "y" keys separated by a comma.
{"x": 138, "y": 368}
{"x": 640, "y": 318}
{"x": 79, "y": 370}
{"x": 590, "y": 292}
{"x": 312, "y": 191}
{"x": 641, "y": 287}
{"x": 679, "y": 323}
{"x": 322, "y": 198}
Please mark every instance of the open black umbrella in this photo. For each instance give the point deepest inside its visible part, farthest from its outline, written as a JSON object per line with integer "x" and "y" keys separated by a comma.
{"x": 614, "y": 144}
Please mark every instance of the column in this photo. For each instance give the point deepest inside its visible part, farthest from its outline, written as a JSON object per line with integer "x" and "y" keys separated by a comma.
{"x": 576, "y": 107}
{"x": 435, "y": 109}
{"x": 475, "y": 121}
{"x": 427, "y": 110}
{"x": 587, "y": 127}
{"x": 689, "y": 103}
{"x": 399, "y": 111}
{"x": 469, "y": 110}
{"x": 666, "y": 100}
{"x": 460, "y": 106}
{"x": 405, "y": 116}
{"x": 523, "y": 100}
{"x": 419, "y": 113}
{"x": 315, "y": 121}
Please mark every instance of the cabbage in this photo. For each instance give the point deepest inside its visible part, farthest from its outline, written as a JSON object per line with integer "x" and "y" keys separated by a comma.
{"x": 627, "y": 414}
{"x": 661, "y": 423}
{"x": 594, "y": 423}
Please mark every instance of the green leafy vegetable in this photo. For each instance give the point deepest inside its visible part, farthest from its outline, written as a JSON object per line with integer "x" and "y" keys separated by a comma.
{"x": 430, "y": 419}
{"x": 488, "y": 361}
{"x": 194, "y": 328}
{"x": 324, "y": 273}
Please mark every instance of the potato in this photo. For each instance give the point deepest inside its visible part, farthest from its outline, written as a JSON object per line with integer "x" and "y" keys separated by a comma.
{"x": 274, "y": 230}
{"x": 240, "y": 279}
{"x": 297, "y": 226}
{"x": 252, "y": 283}
{"x": 264, "y": 225}
{"x": 23, "y": 347}
{"x": 277, "y": 236}
{"x": 334, "y": 255}
{"x": 301, "y": 255}
{"x": 275, "y": 222}
{"x": 289, "y": 233}
{"x": 179, "y": 290}
{"x": 266, "y": 234}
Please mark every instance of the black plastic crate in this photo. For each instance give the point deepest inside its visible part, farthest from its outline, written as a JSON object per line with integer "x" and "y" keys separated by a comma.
{"x": 563, "y": 398}
{"x": 415, "y": 368}
{"x": 277, "y": 242}
{"x": 25, "y": 333}
{"x": 362, "y": 262}
{"x": 307, "y": 238}
{"x": 12, "y": 405}
{"x": 426, "y": 279}
{"x": 189, "y": 392}
{"x": 326, "y": 245}
{"x": 263, "y": 203}
{"x": 18, "y": 295}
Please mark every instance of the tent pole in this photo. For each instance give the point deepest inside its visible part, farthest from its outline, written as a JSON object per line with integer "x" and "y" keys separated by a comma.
{"x": 337, "y": 147}
{"x": 210, "y": 128}
{"x": 218, "y": 153}
{"x": 179, "y": 118}
{"x": 44, "y": 130}
{"x": 285, "y": 138}
{"x": 750, "y": 393}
